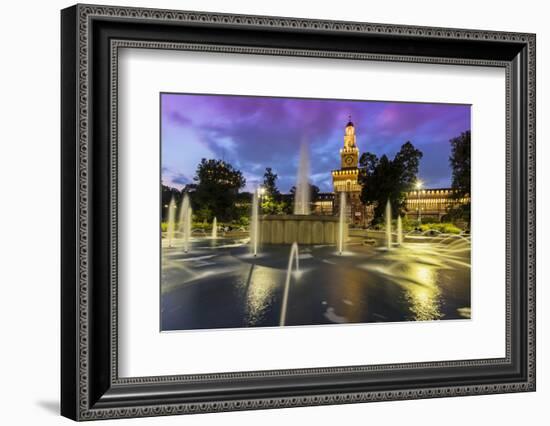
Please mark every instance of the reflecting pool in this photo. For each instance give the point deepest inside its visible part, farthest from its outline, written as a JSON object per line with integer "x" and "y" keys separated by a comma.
{"x": 219, "y": 283}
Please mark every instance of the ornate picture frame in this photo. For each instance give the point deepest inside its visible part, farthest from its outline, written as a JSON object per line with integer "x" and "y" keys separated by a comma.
{"x": 91, "y": 37}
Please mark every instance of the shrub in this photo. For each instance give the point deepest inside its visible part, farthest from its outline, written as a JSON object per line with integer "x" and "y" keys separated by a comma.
{"x": 243, "y": 221}
{"x": 445, "y": 228}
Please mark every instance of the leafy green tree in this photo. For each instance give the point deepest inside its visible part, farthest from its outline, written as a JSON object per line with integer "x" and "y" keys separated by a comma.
{"x": 217, "y": 187}
{"x": 272, "y": 206}
{"x": 270, "y": 183}
{"x": 406, "y": 163}
{"x": 460, "y": 161}
{"x": 271, "y": 198}
{"x": 383, "y": 179}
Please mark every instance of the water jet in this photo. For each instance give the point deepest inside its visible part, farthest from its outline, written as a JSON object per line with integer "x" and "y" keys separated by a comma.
{"x": 254, "y": 225}
{"x": 341, "y": 222}
{"x": 294, "y": 254}
{"x": 399, "y": 231}
{"x": 302, "y": 194}
{"x": 215, "y": 228}
{"x": 170, "y": 229}
{"x": 388, "y": 225}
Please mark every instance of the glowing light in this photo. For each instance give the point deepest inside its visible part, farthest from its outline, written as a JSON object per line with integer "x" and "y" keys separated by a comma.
{"x": 260, "y": 293}
{"x": 424, "y": 295}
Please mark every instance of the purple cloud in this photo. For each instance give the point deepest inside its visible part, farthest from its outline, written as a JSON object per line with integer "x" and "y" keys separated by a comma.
{"x": 257, "y": 132}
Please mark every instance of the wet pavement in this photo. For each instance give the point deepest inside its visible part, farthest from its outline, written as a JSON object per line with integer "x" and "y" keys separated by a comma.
{"x": 219, "y": 284}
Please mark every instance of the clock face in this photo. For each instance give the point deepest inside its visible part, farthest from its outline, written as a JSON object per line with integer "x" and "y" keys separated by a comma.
{"x": 348, "y": 160}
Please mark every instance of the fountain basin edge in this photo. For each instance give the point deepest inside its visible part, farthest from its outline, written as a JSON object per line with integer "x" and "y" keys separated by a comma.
{"x": 302, "y": 229}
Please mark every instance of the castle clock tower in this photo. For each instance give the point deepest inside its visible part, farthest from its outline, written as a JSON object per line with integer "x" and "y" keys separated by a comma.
{"x": 350, "y": 153}
{"x": 346, "y": 179}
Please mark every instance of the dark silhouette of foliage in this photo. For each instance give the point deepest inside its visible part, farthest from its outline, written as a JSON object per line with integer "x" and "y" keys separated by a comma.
{"x": 460, "y": 161}
{"x": 384, "y": 179}
{"x": 217, "y": 186}
{"x": 270, "y": 183}
{"x": 271, "y": 198}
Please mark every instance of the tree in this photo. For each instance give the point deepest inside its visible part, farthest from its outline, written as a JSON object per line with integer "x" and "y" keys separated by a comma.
{"x": 270, "y": 183}
{"x": 460, "y": 161}
{"x": 271, "y": 198}
{"x": 384, "y": 179}
{"x": 406, "y": 163}
{"x": 216, "y": 191}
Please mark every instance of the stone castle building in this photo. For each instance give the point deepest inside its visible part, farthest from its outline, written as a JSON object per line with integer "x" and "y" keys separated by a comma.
{"x": 346, "y": 180}
{"x": 432, "y": 203}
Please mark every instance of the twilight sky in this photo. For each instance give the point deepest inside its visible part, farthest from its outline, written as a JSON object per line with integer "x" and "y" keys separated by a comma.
{"x": 253, "y": 133}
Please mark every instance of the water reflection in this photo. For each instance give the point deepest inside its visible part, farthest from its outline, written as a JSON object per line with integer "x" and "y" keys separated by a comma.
{"x": 260, "y": 295}
{"x": 219, "y": 284}
{"x": 423, "y": 294}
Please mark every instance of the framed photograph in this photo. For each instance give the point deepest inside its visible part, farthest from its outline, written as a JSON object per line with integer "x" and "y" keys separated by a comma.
{"x": 263, "y": 212}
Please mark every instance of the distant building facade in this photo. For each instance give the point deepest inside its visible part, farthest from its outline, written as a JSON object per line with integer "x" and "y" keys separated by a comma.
{"x": 323, "y": 204}
{"x": 433, "y": 203}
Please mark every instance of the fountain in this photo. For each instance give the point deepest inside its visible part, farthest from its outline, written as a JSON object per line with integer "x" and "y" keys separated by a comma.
{"x": 294, "y": 254}
{"x": 302, "y": 226}
{"x": 254, "y": 225}
{"x": 184, "y": 221}
{"x": 399, "y": 231}
{"x": 215, "y": 228}
{"x": 341, "y": 223}
{"x": 184, "y": 207}
{"x": 302, "y": 196}
{"x": 170, "y": 229}
{"x": 388, "y": 225}
{"x": 187, "y": 233}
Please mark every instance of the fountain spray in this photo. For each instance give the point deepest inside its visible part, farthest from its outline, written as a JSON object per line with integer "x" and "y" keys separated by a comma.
{"x": 399, "y": 231}
{"x": 254, "y": 224}
{"x": 388, "y": 225}
{"x": 302, "y": 195}
{"x": 187, "y": 234}
{"x": 215, "y": 228}
{"x": 341, "y": 224}
{"x": 183, "y": 213}
{"x": 294, "y": 254}
{"x": 170, "y": 229}
{"x": 184, "y": 222}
